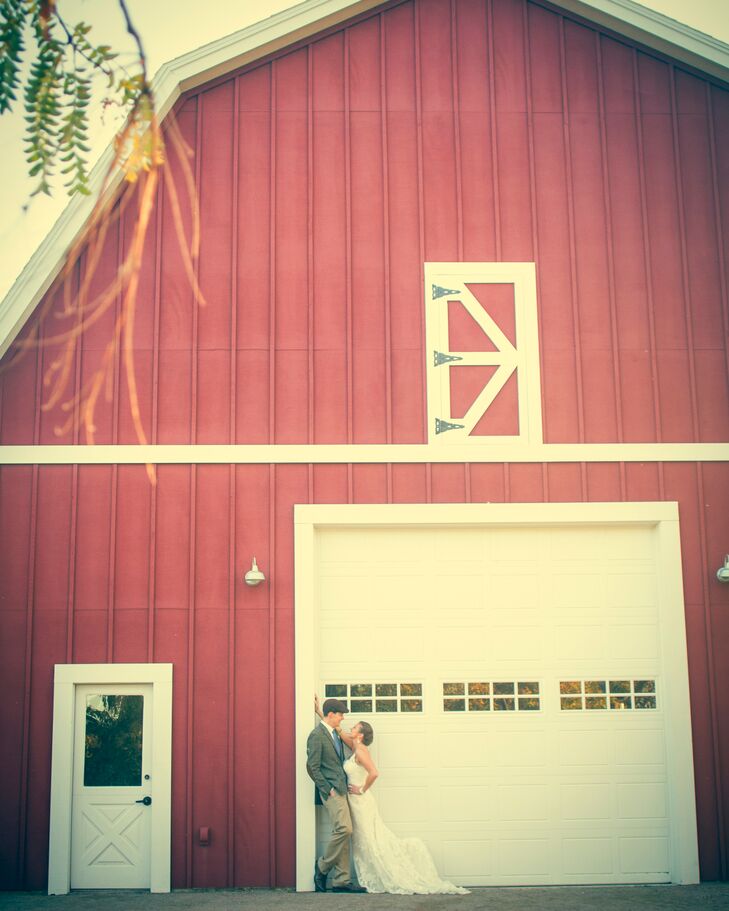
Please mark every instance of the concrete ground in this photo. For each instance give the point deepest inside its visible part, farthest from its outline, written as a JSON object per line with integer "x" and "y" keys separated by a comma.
{"x": 706, "y": 897}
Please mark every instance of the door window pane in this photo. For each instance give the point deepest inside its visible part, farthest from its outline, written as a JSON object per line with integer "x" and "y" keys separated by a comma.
{"x": 113, "y": 751}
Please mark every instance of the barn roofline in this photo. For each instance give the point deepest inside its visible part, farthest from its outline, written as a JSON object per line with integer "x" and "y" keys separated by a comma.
{"x": 211, "y": 61}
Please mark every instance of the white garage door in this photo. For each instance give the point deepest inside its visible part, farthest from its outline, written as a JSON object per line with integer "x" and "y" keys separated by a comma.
{"x": 518, "y": 688}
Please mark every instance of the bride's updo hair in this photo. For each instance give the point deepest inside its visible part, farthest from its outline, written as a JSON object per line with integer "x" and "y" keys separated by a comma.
{"x": 368, "y": 735}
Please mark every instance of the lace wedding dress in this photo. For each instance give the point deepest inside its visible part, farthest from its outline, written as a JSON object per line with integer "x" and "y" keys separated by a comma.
{"x": 383, "y": 862}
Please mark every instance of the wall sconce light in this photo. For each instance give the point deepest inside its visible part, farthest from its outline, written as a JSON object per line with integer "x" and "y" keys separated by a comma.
{"x": 722, "y": 574}
{"x": 254, "y": 576}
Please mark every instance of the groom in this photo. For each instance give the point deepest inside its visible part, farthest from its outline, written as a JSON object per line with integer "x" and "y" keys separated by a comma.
{"x": 324, "y": 758}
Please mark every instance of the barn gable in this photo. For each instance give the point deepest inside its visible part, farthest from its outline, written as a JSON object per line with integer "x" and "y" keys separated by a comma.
{"x": 652, "y": 29}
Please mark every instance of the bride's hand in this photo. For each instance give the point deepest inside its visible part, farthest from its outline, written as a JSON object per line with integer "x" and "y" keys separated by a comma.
{"x": 353, "y": 789}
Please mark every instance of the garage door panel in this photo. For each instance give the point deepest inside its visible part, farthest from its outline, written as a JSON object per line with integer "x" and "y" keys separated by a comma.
{"x": 404, "y": 804}
{"x": 401, "y": 644}
{"x": 642, "y": 800}
{"x": 466, "y": 859}
{"x": 631, "y": 590}
{"x": 639, "y": 748}
{"x": 461, "y": 749}
{"x": 468, "y": 643}
{"x": 362, "y": 569}
{"x": 583, "y": 642}
{"x": 527, "y": 802}
{"x": 460, "y": 544}
{"x": 394, "y": 618}
{"x": 397, "y": 750}
{"x": 593, "y": 800}
{"x": 632, "y": 641}
{"x": 513, "y": 543}
{"x": 519, "y": 749}
{"x": 384, "y": 545}
{"x": 512, "y": 589}
{"x": 382, "y": 617}
{"x": 379, "y": 592}
{"x": 517, "y": 642}
{"x": 466, "y": 590}
{"x": 584, "y": 748}
{"x": 521, "y": 620}
{"x": 462, "y": 617}
{"x": 457, "y": 802}
{"x": 577, "y": 589}
{"x": 524, "y": 857}
{"x": 588, "y": 856}
{"x": 644, "y": 854}
{"x": 604, "y": 544}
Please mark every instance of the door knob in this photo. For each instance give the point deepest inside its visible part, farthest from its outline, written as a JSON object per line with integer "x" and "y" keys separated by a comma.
{"x": 145, "y": 800}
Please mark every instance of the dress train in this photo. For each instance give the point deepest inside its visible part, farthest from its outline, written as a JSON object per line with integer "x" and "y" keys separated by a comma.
{"x": 382, "y": 861}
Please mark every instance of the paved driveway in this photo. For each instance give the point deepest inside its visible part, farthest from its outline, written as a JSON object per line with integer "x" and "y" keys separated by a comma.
{"x": 706, "y": 897}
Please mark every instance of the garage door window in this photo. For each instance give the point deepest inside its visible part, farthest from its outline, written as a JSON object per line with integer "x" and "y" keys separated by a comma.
{"x": 378, "y": 698}
{"x": 491, "y": 695}
{"x": 607, "y": 695}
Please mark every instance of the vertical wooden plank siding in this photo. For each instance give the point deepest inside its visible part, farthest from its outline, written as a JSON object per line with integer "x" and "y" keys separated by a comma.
{"x": 215, "y": 787}
{"x": 441, "y": 130}
{"x": 232, "y": 541}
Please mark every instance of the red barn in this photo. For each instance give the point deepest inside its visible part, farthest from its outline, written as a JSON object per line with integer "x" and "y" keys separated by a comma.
{"x": 461, "y": 388}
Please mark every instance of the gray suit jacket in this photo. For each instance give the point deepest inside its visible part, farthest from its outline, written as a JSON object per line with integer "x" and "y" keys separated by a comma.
{"x": 323, "y": 764}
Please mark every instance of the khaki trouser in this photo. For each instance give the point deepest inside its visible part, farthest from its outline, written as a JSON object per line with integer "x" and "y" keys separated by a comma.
{"x": 336, "y": 853}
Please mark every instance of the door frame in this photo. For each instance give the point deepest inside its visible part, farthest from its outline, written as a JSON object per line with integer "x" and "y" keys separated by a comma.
{"x": 663, "y": 516}
{"x": 67, "y": 677}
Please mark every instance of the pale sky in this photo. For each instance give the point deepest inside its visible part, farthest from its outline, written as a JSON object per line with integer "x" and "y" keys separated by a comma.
{"x": 170, "y": 28}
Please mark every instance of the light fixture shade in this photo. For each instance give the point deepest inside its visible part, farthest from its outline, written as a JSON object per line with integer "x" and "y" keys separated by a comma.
{"x": 254, "y": 576}
{"x": 722, "y": 574}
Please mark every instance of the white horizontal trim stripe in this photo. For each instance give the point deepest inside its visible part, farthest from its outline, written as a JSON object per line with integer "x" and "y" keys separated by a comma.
{"x": 346, "y": 454}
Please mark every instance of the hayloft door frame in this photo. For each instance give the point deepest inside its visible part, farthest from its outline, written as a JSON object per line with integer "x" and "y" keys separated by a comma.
{"x": 69, "y": 678}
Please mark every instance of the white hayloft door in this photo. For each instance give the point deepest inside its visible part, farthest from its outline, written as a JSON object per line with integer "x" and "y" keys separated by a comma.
{"x": 520, "y": 680}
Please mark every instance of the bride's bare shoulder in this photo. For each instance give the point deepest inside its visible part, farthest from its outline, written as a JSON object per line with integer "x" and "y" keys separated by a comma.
{"x": 364, "y": 759}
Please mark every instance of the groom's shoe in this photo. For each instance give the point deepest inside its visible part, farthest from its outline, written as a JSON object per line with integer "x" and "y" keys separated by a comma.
{"x": 320, "y": 880}
{"x": 348, "y": 888}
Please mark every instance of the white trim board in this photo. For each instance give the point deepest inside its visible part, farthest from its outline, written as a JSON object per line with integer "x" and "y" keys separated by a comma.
{"x": 277, "y": 32}
{"x": 663, "y": 516}
{"x": 67, "y": 676}
{"x": 343, "y": 454}
{"x": 655, "y": 30}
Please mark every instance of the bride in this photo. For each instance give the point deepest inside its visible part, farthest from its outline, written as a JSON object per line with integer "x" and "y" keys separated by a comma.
{"x": 382, "y": 861}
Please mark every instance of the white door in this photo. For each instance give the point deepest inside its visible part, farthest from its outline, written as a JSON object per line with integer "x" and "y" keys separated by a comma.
{"x": 519, "y": 682}
{"x": 112, "y": 787}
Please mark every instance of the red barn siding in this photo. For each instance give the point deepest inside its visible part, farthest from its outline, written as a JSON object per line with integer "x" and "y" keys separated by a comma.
{"x": 434, "y": 130}
{"x": 232, "y": 647}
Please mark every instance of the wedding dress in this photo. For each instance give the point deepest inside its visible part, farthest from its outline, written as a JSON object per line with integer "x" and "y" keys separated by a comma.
{"x": 382, "y": 861}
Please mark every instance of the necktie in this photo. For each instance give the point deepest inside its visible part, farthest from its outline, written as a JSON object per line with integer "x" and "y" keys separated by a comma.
{"x": 338, "y": 745}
